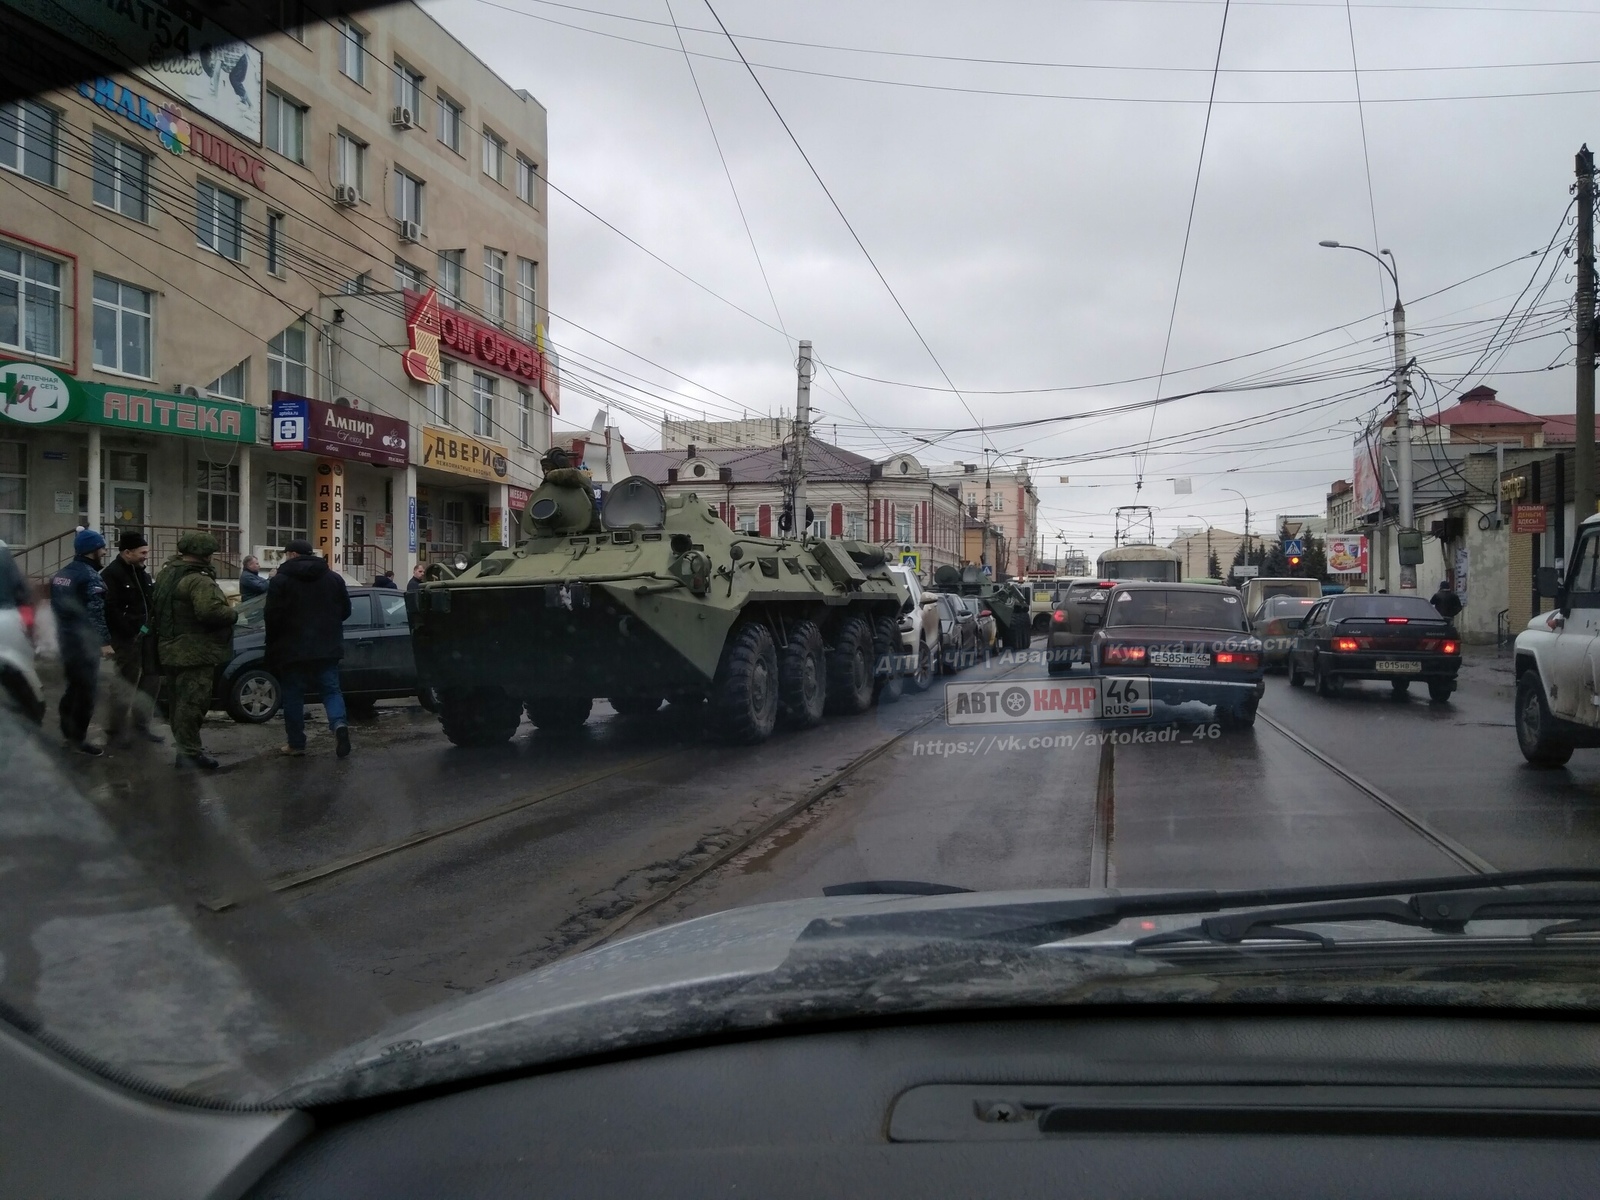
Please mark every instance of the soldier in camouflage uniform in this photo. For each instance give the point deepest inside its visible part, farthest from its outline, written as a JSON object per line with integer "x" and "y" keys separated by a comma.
{"x": 194, "y": 622}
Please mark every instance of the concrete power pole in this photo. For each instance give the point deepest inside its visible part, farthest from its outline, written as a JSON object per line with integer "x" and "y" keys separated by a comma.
{"x": 1402, "y": 433}
{"x": 1583, "y": 457}
{"x": 802, "y": 429}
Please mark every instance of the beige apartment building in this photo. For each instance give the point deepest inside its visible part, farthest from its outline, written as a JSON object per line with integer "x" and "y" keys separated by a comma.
{"x": 347, "y": 221}
{"x": 1008, "y": 498}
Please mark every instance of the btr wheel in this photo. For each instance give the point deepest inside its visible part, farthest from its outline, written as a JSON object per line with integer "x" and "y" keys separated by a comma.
{"x": 850, "y": 668}
{"x": 1440, "y": 690}
{"x": 744, "y": 696}
{"x": 478, "y": 716}
{"x": 1537, "y": 738}
{"x": 888, "y": 684}
{"x": 254, "y": 696}
{"x": 803, "y": 676}
{"x": 562, "y": 712}
{"x": 923, "y": 679}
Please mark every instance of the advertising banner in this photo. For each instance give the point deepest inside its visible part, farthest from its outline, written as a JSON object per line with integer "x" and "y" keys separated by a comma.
{"x": 1347, "y": 555}
{"x": 448, "y": 450}
{"x": 156, "y": 412}
{"x": 1528, "y": 518}
{"x": 336, "y": 432}
{"x": 328, "y": 513}
{"x": 433, "y": 329}
{"x": 35, "y": 395}
{"x": 1367, "y": 486}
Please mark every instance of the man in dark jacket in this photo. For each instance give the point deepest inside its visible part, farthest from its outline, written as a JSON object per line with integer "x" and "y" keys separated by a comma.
{"x": 1446, "y": 601}
{"x": 306, "y": 607}
{"x": 195, "y": 623}
{"x": 385, "y": 579}
{"x": 251, "y": 581}
{"x": 129, "y": 591}
{"x": 77, "y": 599}
{"x": 418, "y": 574}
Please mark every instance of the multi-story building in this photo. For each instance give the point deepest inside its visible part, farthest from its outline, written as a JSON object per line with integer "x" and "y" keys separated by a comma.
{"x": 276, "y": 225}
{"x": 748, "y": 434}
{"x": 1198, "y": 545}
{"x": 1341, "y": 507}
{"x": 1005, "y": 497}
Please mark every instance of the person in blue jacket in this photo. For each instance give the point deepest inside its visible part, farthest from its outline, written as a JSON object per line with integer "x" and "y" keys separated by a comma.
{"x": 77, "y": 600}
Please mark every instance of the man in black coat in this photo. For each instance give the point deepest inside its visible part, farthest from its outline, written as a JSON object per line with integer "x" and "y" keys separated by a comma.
{"x": 1446, "y": 601}
{"x": 133, "y": 640}
{"x": 305, "y": 611}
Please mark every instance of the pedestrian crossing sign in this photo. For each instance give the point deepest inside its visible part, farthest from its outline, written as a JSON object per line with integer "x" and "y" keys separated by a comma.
{"x": 912, "y": 559}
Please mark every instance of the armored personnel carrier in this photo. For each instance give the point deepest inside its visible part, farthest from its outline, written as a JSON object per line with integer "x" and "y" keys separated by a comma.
{"x": 1007, "y": 601}
{"x": 646, "y": 599}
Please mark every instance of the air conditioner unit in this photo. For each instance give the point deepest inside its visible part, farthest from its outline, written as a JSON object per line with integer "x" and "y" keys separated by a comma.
{"x": 186, "y": 389}
{"x": 400, "y": 117}
{"x": 410, "y": 231}
{"x": 345, "y": 194}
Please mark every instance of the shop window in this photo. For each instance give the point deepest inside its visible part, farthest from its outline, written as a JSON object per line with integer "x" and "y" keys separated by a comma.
{"x": 483, "y": 387}
{"x": 30, "y": 302}
{"x": 289, "y": 361}
{"x": 121, "y": 177}
{"x": 288, "y": 508}
{"x": 122, "y": 327}
{"x": 14, "y": 493}
{"x": 453, "y": 524}
{"x": 217, "y": 502}
{"x": 28, "y": 133}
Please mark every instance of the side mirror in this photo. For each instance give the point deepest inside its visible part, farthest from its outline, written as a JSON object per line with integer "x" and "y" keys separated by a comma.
{"x": 1295, "y": 623}
{"x": 1547, "y": 582}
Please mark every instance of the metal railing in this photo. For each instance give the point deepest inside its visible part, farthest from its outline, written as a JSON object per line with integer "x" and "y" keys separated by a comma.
{"x": 42, "y": 559}
{"x": 1502, "y": 629}
{"x": 367, "y": 560}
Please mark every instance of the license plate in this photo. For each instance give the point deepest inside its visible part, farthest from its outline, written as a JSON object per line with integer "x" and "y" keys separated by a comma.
{"x": 1125, "y": 696}
{"x": 1398, "y": 668}
{"x": 1176, "y": 658}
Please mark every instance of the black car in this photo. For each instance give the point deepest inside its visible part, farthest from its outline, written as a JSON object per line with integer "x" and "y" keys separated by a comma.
{"x": 1276, "y": 621}
{"x": 958, "y": 633}
{"x": 1177, "y": 643}
{"x": 1397, "y": 638}
{"x": 377, "y": 665}
{"x": 1080, "y": 607}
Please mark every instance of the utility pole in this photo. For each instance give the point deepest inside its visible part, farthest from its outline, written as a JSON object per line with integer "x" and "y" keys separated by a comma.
{"x": 1402, "y": 433}
{"x": 1583, "y": 456}
{"x": 802, "y": 426}
{"x": 984, "y": 557}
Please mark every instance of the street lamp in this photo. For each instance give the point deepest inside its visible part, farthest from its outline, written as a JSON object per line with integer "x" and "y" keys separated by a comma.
{"x": 1402, "y": 410}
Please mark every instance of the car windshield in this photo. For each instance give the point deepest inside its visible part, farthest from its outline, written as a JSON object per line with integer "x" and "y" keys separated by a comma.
{"x": 1175, "y": 609}
{"x": 633, "y": 418}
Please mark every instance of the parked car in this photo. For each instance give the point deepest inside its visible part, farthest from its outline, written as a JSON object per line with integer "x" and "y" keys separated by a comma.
{"x": 919, "y": 629}
{"x": 958, "y": 634}
{"x": 1397, "y": 638}
{"x": 988, "y": 626}
{"x": 1178, "y": 643}
{"x": 377, "y": 664}
{"x": 1077, "y": 615}
{"x": 19, "y": 680}
{"x": 1556, "y": 708}
{"x": 1276, "y": 622}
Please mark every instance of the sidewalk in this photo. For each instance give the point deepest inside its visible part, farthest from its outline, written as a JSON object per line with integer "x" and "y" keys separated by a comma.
{"x": 1488, "y": 670}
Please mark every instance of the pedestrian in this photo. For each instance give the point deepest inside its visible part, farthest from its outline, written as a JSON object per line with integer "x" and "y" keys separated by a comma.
{"x": 417, "y": 574}
{"x": 194, "y": 623}
{"x": 77, "y": 600}
{"x": 306, "y": 608}
{"x": 129, "y": 595}
{"x": 1446, "y": 601}
{"x": 385, "y": 579}
{"x": 251, "y": 581}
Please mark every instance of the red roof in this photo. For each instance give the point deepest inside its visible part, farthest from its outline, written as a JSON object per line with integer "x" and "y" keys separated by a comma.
{"x": 1479, "y": 407}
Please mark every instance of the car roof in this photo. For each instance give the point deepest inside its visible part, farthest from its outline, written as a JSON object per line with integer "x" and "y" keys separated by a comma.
{"x": 1156, "y": 585}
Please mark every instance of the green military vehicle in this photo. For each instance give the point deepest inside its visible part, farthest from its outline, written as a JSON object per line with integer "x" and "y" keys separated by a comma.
{"x": 649, "y": 599}
{"x": 1008, "y": 601}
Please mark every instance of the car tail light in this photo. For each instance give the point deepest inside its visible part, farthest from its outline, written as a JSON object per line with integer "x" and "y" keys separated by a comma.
{"x": 25, "y": 611}
{"x": 1123, "y": 654}
{"x": 1452, "y": 648}
{"x": 1236, "y": 658}
{"x": 1397, "y": 620}
{"x": 986, "y": 613}
{"x": 1058, "y": 617}
{"x": 1346, "y": 643}
{"x": 1108, "y": 583}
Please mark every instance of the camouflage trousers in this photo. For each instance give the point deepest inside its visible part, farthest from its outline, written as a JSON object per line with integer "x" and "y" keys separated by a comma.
{"x": 191, "y": 698}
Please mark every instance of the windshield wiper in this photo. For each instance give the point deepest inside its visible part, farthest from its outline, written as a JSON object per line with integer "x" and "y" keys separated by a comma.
{"x": 1450, "y": 911}
{"x": 892, "y": 887}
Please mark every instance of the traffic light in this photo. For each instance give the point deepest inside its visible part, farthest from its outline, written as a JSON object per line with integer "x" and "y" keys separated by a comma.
{"x": 1294, "y": 562}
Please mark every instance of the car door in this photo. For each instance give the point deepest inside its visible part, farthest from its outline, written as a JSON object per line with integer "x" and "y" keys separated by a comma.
{"x": 396, "y": 666}
{"x": 1303, "y": 653}
{"x": 1573, "y": 692}
{"x": 359, "y": 666}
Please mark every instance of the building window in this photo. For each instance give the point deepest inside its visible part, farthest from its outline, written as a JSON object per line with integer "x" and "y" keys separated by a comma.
{"x": 14, "y": 493}
{"x": 352, "y": 51}
{"x": 275, "y": 243}
{"x": 356, "y": 286}
{"x": 439, "y": 394}
{"x": 494, "y": 284}
{"x": 122, "y": 327}
{"x": 30, "y": 302}
{"x": 292, "y": 18}
{"x": 230, "y": 385}
{"x": 749, "y": 523}
{"x": 350, "y": 162}
{"x": 121, "y": 177}
{"x": 288, "y": 509}
{"x": 483, "y": 403}
{"x": 526, "y": 172}
{"x": 494, "y": 156}
{"x": 407, "y": 276}
{"x": 855, "y": 525}
{"x": 453, "y": 523}
{"x": 285, "y": 130}
{"x": 524, "y": 428}
{"x": 527, "y": 295}
{"x": 28, "y": 140}
{"x": 408, "y": 90}
{"x": 450, "y": 122}
{"x": 219, "y": 221}
{"x": 902, "y": 527}
{"x": 289, "y": 361}
{"x": 997, "y": 502}
{"x": 450, "y": 277}
{"x": 217, "y": 501}
{"x": 407, "y": 197}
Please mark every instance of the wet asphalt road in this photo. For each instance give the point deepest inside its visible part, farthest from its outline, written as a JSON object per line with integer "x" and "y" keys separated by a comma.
{"x": 414, "y": 871}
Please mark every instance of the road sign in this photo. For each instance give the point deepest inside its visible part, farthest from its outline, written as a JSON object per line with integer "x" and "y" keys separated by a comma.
{"x": 1246, "y": 572}
{"x": 912, "y": 559}
{"x": 1294, "y": 546}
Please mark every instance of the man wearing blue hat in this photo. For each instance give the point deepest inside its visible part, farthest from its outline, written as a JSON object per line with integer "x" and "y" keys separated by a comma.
{"x": 77, "y": 600}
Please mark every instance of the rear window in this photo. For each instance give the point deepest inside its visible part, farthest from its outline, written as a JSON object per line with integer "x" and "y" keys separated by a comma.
{"x": 1288, "y": 606}
{"x": 1177, "y": 610}
{"x": 1417, "y": 609}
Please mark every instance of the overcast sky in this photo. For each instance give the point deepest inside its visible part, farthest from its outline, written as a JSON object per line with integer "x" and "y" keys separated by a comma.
{"x": 1035, "y": 239}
